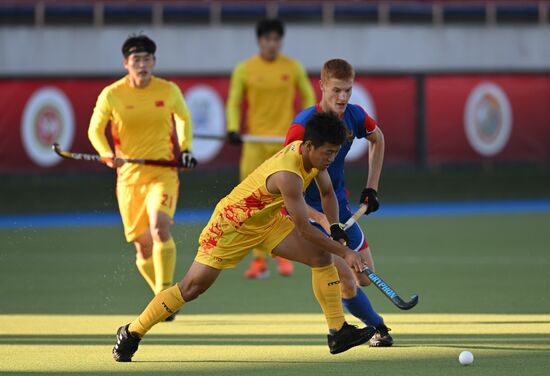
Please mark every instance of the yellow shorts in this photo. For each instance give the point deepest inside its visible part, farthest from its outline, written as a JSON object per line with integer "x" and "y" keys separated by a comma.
{"x": 137, "y": 201}
{"x": 221, "y": 246}
{"x": 254, "y": 154}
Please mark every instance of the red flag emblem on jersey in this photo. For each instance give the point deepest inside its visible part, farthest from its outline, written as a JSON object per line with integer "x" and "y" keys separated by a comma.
{"x": 159, "y": 104}
{"x": 285, "y": 77}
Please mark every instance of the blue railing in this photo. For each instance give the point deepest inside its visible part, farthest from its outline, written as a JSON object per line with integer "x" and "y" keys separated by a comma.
{"x": 99, "y": 12}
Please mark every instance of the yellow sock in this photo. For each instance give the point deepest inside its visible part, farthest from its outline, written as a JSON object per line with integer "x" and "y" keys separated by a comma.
{"x": 256, "y": 254}
{"x": 164, "y": 260}
{"x": 163, "y": 305}
{"x": 147, "y": 270}
{"x": 326, "y": 287}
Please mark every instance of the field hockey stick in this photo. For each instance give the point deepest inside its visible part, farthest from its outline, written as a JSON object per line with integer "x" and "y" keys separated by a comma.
{"x": 375, "y": 279}
{"x": 97, "y": 158}
{"x": 245, "y": 137}
{"x": 389, "y": 292}
{"x": 355, "y": 217}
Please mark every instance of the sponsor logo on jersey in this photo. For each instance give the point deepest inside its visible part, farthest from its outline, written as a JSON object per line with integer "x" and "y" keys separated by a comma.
{"x": 488, "y": 119}
{"x": 159, "y": 103}
{"x": 47, "y": 118}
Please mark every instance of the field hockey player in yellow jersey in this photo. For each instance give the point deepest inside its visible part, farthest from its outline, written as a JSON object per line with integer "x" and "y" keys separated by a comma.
{"x": 142, "y": 110}
{"x": 269, "y": 82}
{"x": 250, "y": 217}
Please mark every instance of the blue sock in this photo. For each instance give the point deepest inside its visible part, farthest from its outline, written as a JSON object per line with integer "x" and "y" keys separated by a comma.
{"x": 360, "y": 307}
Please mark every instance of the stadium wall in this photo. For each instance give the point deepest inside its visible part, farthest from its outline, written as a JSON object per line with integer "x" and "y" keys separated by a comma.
{"x": 436, "y": 91}
{"x": 84, "y": 51}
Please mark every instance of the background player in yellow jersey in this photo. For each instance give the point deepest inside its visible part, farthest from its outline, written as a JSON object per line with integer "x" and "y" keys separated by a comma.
{"x": 269, "y": 80}
{"x": 250, "y": 217}
{"x": 140, "y": 108}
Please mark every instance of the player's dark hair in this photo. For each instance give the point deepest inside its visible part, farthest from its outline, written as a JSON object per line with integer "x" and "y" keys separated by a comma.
{"x": 138, "y": 43}
{"x": 269, "y": 25}
{"x": 325, "y": 128}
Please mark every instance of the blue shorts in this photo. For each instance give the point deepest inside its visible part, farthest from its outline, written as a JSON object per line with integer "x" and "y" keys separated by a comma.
{"x": 357, "y": 241}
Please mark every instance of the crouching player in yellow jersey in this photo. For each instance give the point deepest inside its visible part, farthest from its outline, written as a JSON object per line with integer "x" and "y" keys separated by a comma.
{"x": 250, "y": 217}
{"x": 140, "y": 108}
{"x": 269, "y": 80}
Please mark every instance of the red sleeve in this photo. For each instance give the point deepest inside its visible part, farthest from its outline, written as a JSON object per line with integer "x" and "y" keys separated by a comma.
{"x": 370, "y": 123}
{"x": 295, "y": 133}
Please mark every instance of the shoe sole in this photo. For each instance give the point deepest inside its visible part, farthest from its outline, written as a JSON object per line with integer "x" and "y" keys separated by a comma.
{"x": 357, "y": 342}
{"x": 380, "y": 344}
{"x": 120, "y": 359}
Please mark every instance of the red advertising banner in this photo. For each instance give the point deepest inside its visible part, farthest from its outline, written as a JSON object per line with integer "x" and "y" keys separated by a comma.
{"x": 394, "y": 100}
{"x": 37, "y": 112}
{"x": 478, "y": 118}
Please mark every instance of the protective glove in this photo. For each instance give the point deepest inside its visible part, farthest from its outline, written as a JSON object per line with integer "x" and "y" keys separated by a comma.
{"x": 337, "y": 233}
{"x": 369, "y": 197}
{"x": 234, "y": 138}
{"x": 187, "y": 159}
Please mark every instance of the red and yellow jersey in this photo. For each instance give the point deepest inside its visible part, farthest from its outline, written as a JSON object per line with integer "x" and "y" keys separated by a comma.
{"x": 270, "y": 88}
{"x": 250, "y": 207}
{"x": 142, "y": 123}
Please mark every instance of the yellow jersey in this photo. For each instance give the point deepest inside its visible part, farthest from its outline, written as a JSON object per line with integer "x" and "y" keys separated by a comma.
{"x": 250, "y": 207}
{"x": 270, "y": 88}
{"x": 142, "y": 126}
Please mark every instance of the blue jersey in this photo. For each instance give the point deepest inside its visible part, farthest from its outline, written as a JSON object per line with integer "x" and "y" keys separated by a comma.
{"x": 359, "y": 124}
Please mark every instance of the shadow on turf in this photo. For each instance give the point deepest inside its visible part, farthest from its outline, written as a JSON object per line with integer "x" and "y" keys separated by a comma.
{"x": 529, "y": 342}
{"x": 233, "y": 361}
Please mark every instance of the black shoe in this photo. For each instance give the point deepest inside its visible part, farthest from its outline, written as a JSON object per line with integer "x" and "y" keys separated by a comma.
{"x": 126, "y": 345}
{"x": 172, "y": 317}
{"x": 381, "y": 338}
{"x": 348, "y": 337}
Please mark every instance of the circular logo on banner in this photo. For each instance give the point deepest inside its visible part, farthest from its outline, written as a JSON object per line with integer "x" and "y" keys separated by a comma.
{"x": 207, "y": 112}
{"x": 360, "y": 96}
{"x": 488, "y": 119}
{"x": 47, "y": 118}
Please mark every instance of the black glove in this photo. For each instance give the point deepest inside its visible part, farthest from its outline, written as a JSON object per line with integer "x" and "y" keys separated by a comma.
{"x": 369, "y": 197}
{"x": 337, "y": 233}
{"x": 187, "y": 159}
{"x": 234, "y": 138}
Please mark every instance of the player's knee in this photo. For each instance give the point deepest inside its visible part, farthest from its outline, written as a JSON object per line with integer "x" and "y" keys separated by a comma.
{"x": 144, "y": 250}
{"x": 160, "y": 233}
{"x": 363, "y": 280}
{"x": 365, "y": 283}
{"x": 348, "y": 287}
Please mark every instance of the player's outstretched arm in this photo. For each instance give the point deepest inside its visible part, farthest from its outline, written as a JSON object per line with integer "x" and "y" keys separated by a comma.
{"x": 304, "y": 86}
{"x": 376, "y": 157}
{"x": 234, "y": 101}
{"x": 290, "y": 185}
{"x": 96, "y": 131}
{"x": 182, "y": 119}
{"x": 369, "y": 195}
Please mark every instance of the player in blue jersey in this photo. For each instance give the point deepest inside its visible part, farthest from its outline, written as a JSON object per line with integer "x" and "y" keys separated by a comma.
{"x": 337, "y": 78}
